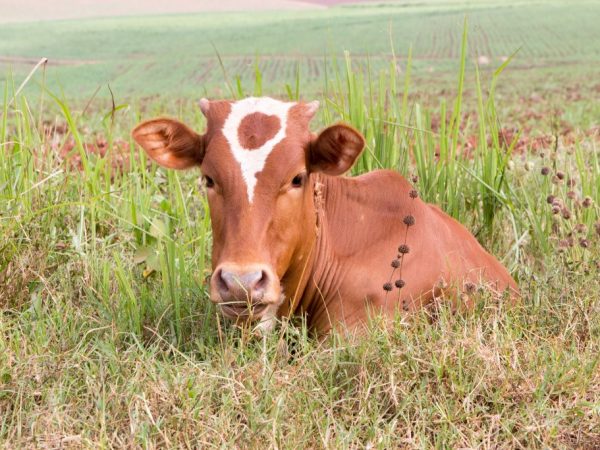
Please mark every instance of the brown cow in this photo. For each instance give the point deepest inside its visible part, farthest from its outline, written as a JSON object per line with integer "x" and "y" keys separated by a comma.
{"x": 290, "y": 235}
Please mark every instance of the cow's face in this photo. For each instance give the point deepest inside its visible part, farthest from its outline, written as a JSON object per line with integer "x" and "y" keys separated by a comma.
{"x": 256, "y": 158}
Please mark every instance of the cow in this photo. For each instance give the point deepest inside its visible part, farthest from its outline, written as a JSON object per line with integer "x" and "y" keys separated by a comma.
{"x": 292, "y": 235}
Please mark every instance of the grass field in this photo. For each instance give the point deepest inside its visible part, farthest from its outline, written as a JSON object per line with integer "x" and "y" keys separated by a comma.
{"x": 176, "y": 55}
{"x": 107, "y": 337}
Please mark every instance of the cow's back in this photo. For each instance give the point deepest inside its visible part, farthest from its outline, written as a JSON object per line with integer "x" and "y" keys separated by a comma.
{"x": 467, "y": 263}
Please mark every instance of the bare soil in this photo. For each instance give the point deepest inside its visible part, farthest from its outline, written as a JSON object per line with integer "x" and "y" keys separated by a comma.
{"x": 36, "y": 10}
{"x": 335, "y": 2}
{"x": 27, "y": 61}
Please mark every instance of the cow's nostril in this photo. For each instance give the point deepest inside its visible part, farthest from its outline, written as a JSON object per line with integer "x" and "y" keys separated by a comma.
{"x": 220, "y": 281}
{"x": 250, "y": 280}
{"x": 262, "y": 282}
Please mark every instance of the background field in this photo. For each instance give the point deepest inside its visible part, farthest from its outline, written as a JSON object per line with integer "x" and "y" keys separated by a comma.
{"x": 176, "y": 55}
{"x": 106, "y": 335}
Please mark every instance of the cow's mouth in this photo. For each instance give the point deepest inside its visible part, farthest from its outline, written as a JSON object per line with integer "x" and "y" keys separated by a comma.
{"x": 242, "y": 310}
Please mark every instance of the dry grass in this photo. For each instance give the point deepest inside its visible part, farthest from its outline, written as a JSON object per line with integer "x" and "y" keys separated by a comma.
{"x": 526, "y": 377}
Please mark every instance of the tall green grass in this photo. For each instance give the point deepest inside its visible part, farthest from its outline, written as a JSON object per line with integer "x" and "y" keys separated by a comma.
{"x": 107, "y": 338}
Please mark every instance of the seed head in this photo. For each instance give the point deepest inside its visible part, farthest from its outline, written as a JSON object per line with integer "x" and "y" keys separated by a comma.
{"x": 409, "y": 221}
{"x": 470, "y": 287}
{"x": 566, "y": 214}
{"x": 581, "y": 228}
{"x": 387, "y": 287}
{"x": 400, "y": 283}
{"x": 545, "y": 171}
{"x": 404, "y": 249}
{"x": 396, "y": 263}
{"x": 528, "y": 166}
{"x": 550, "y": 199}
{"x": 560, "y": 175}
{"x": 415, "y": 179}
{"x": 587, "y": 202}
{"x": 584, "y": 243}
{"x": 572, "y": 195}
{"x": 413, "y": 194}
{"x": 555, "y": 209}
{"x": 555, "y": 225}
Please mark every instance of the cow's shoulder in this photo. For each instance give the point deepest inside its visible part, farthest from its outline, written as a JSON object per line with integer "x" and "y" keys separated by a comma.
{"x": 381, "y": 189}
{"x": 382, "y": 181}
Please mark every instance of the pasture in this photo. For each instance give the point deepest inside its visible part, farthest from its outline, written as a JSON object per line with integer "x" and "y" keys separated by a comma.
{"x": 107, "y": 337}
{"x": 176, "y": 55}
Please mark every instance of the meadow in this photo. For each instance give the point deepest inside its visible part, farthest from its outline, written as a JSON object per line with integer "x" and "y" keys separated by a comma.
{"x": 107, "y": 337}
{"x": 177, "y": 55}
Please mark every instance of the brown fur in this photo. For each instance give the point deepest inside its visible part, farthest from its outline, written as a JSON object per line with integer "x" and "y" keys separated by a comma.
{"x": 256, "y": 129}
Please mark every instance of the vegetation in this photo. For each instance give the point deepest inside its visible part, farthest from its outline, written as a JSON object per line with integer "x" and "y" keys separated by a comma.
{"x": 176, "y": 54}
{"x": 107, "y": 338}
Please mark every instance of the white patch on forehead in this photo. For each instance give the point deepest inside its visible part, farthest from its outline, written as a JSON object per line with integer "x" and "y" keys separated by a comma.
{"x": 253, "y": 161}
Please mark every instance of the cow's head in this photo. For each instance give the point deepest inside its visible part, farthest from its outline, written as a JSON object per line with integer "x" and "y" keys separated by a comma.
{"x": 256, "y": 156}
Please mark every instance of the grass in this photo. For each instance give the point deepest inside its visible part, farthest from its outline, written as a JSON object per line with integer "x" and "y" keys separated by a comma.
{"x": 175, "y": 55}
{"x": 107, "y": 338}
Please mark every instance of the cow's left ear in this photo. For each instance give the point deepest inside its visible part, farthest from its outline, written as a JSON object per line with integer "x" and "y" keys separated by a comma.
{"x": 335, "y": 149}
{"x": 170, "y": 143}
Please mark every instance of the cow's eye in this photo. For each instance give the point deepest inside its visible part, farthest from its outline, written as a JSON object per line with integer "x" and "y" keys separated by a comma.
{"x": 208, "y": 182}
{"x": 298, "y": 180}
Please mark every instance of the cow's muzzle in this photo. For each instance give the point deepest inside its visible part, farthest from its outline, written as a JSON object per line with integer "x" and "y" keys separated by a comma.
{"x": 244, "y": 292}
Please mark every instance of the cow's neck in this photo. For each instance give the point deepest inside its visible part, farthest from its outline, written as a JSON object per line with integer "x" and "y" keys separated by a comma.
{"x": 295, "y": 280}
{"x": 317, "y": 278}
{"x": 352, "y": 221}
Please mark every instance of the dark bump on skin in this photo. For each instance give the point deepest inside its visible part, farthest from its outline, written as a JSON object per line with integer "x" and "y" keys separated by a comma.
{"x": 256, "y": 129}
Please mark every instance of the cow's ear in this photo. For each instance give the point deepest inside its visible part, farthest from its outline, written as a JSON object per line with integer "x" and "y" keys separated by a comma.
{"x": 335, "y": 149}
{"x": 170, "y": 143}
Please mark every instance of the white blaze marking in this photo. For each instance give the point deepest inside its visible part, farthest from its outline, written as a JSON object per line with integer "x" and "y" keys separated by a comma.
{"x": 252, "y": 162}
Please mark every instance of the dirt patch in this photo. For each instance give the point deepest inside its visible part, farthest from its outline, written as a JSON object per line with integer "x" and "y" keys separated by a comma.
{"x": 59, "y": 143}
{"x": 117, "y": 155}
{"x": 34, "y": 10}
{"x": 336, "y": 2}
{"x": 27, "y": 61}
{"x": 524, "y": 139}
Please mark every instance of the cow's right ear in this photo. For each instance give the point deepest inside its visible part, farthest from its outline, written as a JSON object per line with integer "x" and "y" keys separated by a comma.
{"x": 170, "y": 143}
{"x": 335, "y": 149}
